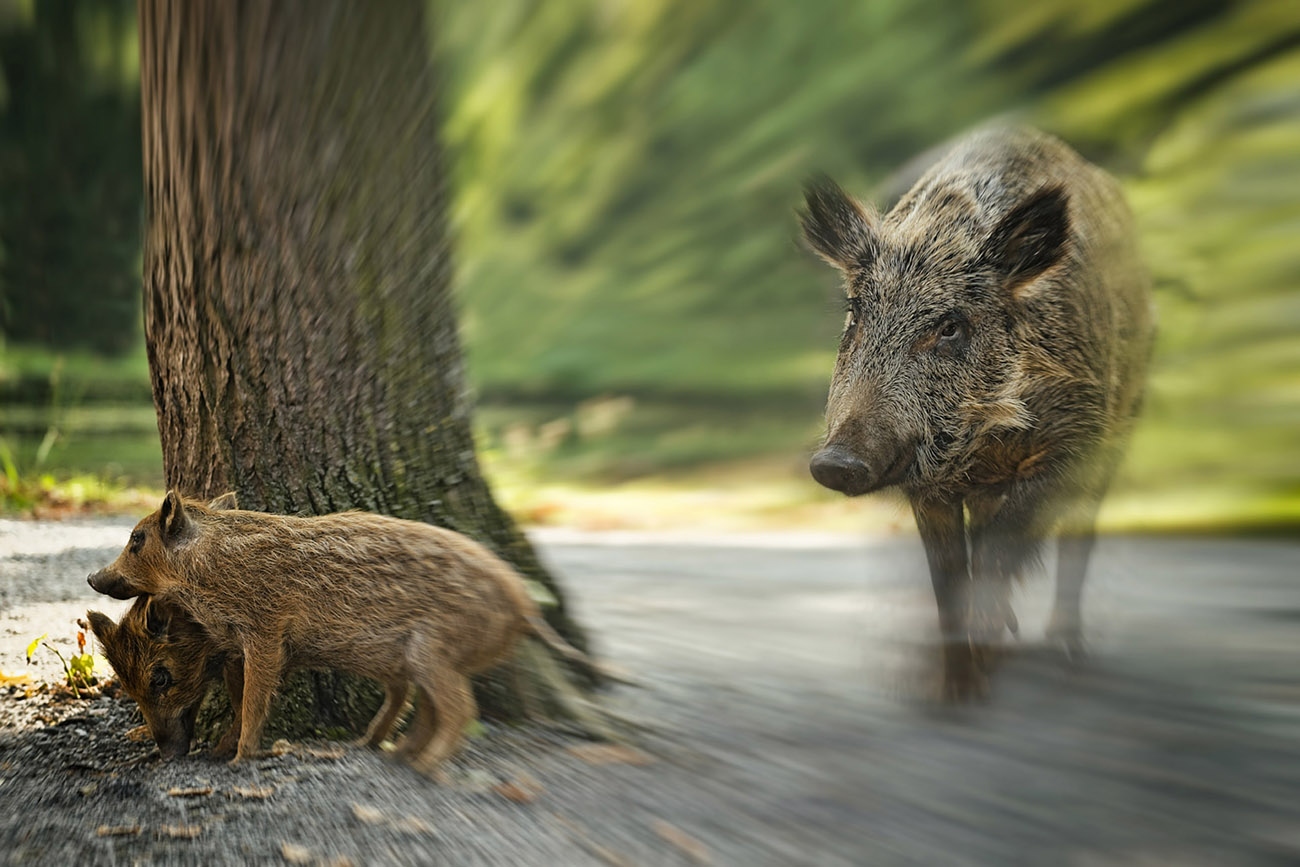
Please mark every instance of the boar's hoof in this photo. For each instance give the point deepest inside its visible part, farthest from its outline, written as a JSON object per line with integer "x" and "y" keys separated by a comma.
{"x": 965, "y": 675}
{"x": 1067, "y": 634}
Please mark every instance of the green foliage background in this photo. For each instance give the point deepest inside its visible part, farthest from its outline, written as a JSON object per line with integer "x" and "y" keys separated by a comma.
{"x": 627, "y": 172}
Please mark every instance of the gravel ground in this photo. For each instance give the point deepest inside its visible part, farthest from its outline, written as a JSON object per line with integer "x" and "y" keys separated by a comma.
{"x": 785, "y": 677}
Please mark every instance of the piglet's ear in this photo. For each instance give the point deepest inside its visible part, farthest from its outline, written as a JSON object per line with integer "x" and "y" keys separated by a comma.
{"x": 103, "y": 626}
{"x": 157, "y": 619}
{"x": 225, "y": 502}
{"x": 837, "y": 226}
{"x": 172, "y": 520}
{"x": 1031, "y": 237}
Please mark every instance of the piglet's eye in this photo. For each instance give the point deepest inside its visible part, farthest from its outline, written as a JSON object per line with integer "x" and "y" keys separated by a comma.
{"x": 162, "y": 678}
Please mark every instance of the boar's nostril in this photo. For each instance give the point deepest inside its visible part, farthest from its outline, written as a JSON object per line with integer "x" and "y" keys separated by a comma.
{"x": 837, "y": 468}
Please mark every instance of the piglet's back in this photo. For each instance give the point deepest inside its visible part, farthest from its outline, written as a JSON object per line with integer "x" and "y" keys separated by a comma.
{"x": 347, "y": 564}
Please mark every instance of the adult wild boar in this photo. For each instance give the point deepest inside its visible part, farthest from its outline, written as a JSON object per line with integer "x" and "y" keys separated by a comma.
{"x": 398, "y": 601}
{"x": 992, "y": 365}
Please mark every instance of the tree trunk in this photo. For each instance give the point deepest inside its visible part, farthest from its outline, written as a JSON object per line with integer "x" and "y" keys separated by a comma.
{"x": 301, "y": 333}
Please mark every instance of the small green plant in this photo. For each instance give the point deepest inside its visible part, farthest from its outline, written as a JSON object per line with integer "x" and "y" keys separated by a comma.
{"x": 80, "y": 668}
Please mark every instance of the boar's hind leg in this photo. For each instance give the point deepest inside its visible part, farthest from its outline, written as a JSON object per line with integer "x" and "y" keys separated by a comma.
{"x": 382, "y": 724}
{"x": 263, "y": 664}
{"x": 449, "y": 691}
{"x": 1078, "y": 535}
{"x": 943, "y": 531}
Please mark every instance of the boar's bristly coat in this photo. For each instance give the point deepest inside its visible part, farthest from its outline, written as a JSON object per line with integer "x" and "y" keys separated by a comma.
{"x": 258, "y": 595}
{"x": 992, "y": 365}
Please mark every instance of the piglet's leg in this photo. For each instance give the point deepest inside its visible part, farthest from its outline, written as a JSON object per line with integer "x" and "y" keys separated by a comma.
{"x": 382, "y": 724}
{"x": 421, "y": 730}
{"x": 449, "y": 691}
{"x": 234, "y": 675}
{"x": 263, "y": 662}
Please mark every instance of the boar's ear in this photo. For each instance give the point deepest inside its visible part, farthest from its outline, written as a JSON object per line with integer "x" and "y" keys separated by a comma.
{"x": 102, "y": 625}
{"x": 1031, "y": 237}
{"x": 172, "y": 519}
{"x": 837, "y": 226}
{"x": 157, "y": 619}
{"x": 225, "y": 502}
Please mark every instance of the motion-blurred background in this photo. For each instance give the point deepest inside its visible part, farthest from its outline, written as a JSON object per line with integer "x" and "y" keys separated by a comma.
{"x": 649, "y": 346}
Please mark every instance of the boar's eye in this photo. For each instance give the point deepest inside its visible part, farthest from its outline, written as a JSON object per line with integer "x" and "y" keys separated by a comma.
{"x": 951, "y": 336}
{"x": 162, "y": 678}
{"x": 137, "y": 541}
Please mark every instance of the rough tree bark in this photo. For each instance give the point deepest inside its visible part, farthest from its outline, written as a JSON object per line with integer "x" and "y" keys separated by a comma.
{"x": 301, "y": 333}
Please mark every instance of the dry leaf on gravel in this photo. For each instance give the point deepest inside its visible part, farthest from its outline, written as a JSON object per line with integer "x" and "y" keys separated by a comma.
{"x": 180, "y": 832}
{"x": 334, "y": 751}
{"x": 190, "y": 792}
{"x": 610, "y": 754}
{"x": 139, "y": 734}
{"x": 7, "y": 679}
{"x": 295, "y": 854}
{"x": 281, "y": 748}
{"x": 412, "y": 825}
{"x": 690, "y": 847}
{"x": 117, "y": 830}
{"x": 579, "y": 833}
{"x": 260, "y": 793}
{"x": 369, "y": 815}
{"x": 375, "y": 816}
{"x": 523, "y": 789}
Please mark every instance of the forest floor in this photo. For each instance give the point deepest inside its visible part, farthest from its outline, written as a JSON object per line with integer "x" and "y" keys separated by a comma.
{"x": 787, "y": 680}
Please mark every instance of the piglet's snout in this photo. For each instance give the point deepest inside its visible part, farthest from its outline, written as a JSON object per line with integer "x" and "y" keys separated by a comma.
{"x": 109, "y": 583}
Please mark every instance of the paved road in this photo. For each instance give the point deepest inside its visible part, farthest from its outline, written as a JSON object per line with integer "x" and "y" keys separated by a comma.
{"x": 788, "y": 679}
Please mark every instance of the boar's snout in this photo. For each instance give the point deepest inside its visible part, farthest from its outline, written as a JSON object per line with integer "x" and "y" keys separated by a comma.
{"x": 109, "y": 583}
{"x": 841, "y": 469}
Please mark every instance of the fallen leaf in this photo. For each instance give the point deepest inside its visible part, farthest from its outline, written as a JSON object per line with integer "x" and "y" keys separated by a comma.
{"x": 89, "y": 789}
{"x": 369, "y": 815}
{"x": 523, "y": 789}
{"x": 260, "y": 793}
{"x": 281, "y": 747}
{"x": 181, "y": 832}
{"x": 690, "y": 847}
{"x": 139, "y": 734}
{"x": 31, "y": 648}
{"x": 337, "y": 861}
{"x": 191, "y": 792}
{"x": 475, "y": 781}
{"x": 117, "y": 830}
{"x": 334, "y": 751}
{"x": 610, "y": 754}
{"x": 7, "y": 679}
{"x": 295, "y": 854}
{"x": 412, "y": 825}
{"x": 579, "y": 832}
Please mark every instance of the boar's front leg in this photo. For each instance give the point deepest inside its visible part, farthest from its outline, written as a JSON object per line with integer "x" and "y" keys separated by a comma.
{"x": 263, "y": 665}
{"x": 1006, "y": 531}
{"x": 943, "y": 531}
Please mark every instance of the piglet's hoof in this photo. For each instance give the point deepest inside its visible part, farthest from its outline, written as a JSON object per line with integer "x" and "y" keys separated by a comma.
{"x": 249, "y": 756}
